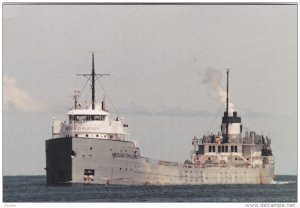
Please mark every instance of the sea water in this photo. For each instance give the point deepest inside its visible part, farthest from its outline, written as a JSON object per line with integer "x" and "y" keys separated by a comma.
{"x": 35, "y": 189}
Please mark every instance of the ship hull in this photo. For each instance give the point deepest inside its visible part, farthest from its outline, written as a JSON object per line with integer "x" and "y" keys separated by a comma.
{"x": 104, "y": 161}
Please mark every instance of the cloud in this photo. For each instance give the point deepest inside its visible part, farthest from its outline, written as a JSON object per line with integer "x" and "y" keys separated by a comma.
{"x": 255, "y": 114}
{"x": 162, "y": 110}
{"x": 16, "y": 98}
{"x": 181, "y": 112}
{"x": 134, "y": 109}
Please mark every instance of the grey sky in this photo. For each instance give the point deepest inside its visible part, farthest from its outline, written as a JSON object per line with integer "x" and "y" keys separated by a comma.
{"x": 157, "y": 56}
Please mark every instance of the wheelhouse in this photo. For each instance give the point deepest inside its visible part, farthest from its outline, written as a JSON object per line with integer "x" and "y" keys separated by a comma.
{"x": 86, "y": 115}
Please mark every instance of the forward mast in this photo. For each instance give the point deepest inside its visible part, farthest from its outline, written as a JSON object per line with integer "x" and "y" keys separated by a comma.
{"x": 94, "y": 77}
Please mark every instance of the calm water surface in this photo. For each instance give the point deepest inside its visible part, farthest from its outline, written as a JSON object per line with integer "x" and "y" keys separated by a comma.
{"x": 35, "y": 189}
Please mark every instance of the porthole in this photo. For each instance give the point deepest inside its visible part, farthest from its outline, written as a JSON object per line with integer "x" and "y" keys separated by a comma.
{"x": 76, "y": 135}
{"x": 91, "y": 148}
{"x": 86, "y": 135}
{"x": 97, "y": 135}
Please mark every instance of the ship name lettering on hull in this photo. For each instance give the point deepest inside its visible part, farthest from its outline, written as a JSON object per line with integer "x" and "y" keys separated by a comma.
{"x": 117, "y": 154}
{"x": 81, "y": 128}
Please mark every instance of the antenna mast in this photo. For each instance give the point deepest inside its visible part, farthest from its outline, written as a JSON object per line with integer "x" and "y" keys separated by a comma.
{"x": 75, "y": 96}
{"x": 93, "y": 84}
{"x": 227, "y": 113}
{"x": 94, "y": 77}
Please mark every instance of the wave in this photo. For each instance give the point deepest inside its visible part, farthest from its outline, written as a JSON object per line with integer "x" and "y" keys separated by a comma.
{"x": 283, "y": 182}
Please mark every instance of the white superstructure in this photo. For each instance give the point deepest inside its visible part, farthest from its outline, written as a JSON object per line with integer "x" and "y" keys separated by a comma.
{"x": 88, "y": 123}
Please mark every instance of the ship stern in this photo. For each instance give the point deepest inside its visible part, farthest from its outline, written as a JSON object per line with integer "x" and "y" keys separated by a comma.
{"x": 267, "y": 174}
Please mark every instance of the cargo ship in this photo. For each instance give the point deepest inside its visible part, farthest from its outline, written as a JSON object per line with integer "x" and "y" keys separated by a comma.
{"x": 93, "y": 147}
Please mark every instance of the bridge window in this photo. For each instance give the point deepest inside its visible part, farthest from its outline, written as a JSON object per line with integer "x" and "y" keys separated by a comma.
{"x": 71, "y": 117}
{"x": 213, "y": 148}
{"x": 219, "y": 148}
{"x": 87, "y": 117}
{"x": 209, "y": 148}
{"x": 98, "y": 117}
{"x": 80, "y": 118}
{"x": 233, "y": 148}
{"x": 226, "y": 148}
{"x": 201, "y": 149}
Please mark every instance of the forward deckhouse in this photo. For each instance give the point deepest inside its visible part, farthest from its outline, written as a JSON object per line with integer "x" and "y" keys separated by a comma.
{"x": 90, "y": 123}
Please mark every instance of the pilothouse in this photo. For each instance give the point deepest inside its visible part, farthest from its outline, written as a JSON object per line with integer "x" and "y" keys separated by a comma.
{"x": 92, "y": 121}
